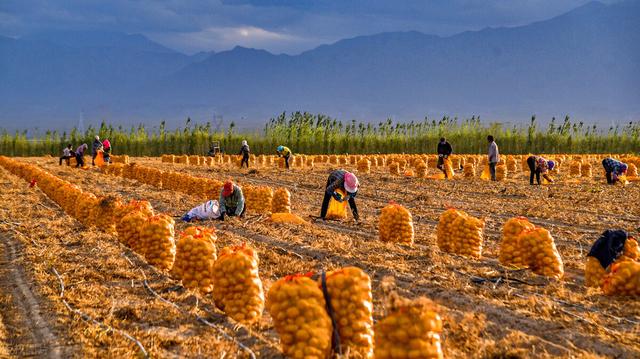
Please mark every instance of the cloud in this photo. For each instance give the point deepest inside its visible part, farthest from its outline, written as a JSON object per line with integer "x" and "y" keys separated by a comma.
{"x": 276, "y": 25}
{"x": 223, "y": 38}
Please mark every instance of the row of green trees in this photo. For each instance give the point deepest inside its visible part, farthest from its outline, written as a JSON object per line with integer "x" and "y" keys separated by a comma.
{"x": 320, "y": 134}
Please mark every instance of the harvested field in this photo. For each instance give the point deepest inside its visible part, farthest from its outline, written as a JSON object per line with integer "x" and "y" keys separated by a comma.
{"x": 488, "y": 310}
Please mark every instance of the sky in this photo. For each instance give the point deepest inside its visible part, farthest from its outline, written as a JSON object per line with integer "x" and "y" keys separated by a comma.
{"x": 279, "y": 26}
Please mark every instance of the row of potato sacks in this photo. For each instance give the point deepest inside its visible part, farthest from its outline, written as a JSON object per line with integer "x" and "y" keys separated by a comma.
{"x": 525, "y": 245}
{"x": 305, "y": 313}
{"x": 622, "y": 277}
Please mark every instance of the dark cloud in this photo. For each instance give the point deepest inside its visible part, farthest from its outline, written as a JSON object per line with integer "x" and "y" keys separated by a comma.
{"x": 277, "y": 25}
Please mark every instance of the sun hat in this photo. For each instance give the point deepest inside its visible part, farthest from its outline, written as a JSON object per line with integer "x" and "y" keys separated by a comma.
{"x": 351, "y": 182}
{"x": 227, "y": 189}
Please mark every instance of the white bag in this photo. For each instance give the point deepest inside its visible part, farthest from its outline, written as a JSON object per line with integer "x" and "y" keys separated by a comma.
{"x": 207, "y": 210}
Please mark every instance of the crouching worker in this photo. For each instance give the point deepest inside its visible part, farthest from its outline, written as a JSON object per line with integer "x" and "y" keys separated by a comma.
{"x": 539, "y": 166}
{"x": 346, "y": 181}
{"x": 284, "y": 152}
{"x": 614, "y": 169}
{"x": 80, "y": 155}
{"x": 67, "y": 153}
{"x": 231, "y": 201}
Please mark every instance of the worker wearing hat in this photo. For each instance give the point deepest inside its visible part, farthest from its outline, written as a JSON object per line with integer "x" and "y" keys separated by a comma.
{"x": 231, "y": 201}
{"x": 348, "y": 182}
{"x": 538, "y": 165}
{"x": 284, "y": 152}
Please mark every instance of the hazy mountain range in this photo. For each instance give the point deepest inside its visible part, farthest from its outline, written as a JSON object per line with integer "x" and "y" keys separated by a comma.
{"x": 585, "y": 63}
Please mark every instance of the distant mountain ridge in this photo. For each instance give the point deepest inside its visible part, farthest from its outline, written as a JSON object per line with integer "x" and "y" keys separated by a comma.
{"x": 585, "y": 63}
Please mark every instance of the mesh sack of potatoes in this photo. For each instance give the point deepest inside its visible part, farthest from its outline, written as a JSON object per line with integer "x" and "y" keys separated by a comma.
{"x": 394, "y": 168}
{"x": 542, "y": 255}
{"x": 396, "y": 224}
{"x": 469, "y": 170}
{"x": 129, "y": 228}
{"x": 86, "y": 203}
{"x": 343, "y": 160}
{"x": 631, "y": 250}
{"x": 411, "y": 329}
{"x": 237, "y": 288}
{"x": 364, "y": 166}
{"x": 168, "y": 158}
{"x": 575, "y": 169}
{"x": 511, "y": 250}
{"x": 105, "y": 212}
{"x": 349, "y": 290}
{"x": 501, "y": 172}
{"x": 594, "y": 273}
{"x": 586, "y": 171}
{"x": 309, "y": 162}
{"x": 300, "y": 318}
{"x": 460, "y": 233}
{"x": 421, "y": 169}
{"x": 623, "y": 280}
{"x": 157, "y": 242}
{"x": 281, "y": 201}
{"x": 512, "y": 164}
{"x": 258, "y": 199}
{"x": 195, "y": 258}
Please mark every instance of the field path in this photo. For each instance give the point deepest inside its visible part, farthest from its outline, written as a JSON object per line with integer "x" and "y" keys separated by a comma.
{"x": 30, "y": 330}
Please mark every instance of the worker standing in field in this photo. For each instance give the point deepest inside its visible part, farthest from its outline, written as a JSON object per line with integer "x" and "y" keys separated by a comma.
{"x": 231, "y": 201}
{"x": 80, "y": 155}
{"x": 94, "y": 149}
{"x": 244, "y": 151}
{"x": 614, "y": 169}
{"x": 494, "y": 156}
{"x": 67, "y": 153}
{"x": 106, "y": 150}
{"x": 284, "y": 152}
{"x": 346, "y": 181}
{"x": 538, "y": 165}
{"x": 444, "y": 151}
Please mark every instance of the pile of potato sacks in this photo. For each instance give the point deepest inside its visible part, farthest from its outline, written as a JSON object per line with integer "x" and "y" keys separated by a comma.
{"x": 237, "y": 288}
{"x": 624, "y": 279}
{"x": 526, "y": 246}
{"x": 258, "y": 199}
{"x": 298, "y": 306}
{"x": 460, "y": 233}
{"x": 396, "y": 224}
{"x": 195, "y": 258}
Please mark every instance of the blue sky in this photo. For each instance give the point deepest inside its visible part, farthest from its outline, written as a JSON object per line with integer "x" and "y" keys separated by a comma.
{"x": 280, "y": 26}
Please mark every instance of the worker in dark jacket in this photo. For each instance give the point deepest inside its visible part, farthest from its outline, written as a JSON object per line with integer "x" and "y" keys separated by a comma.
{"x": 97, "y": 145}
{"x": 538, "y": 165}
{"x": 80, "y": 155}
{"x": 231, "y": 201}
{"x": 244, "y": 151}
{"x": 346, "y": 181}
{"x": 444, "y": 151}
{"x": 614, "y": 169}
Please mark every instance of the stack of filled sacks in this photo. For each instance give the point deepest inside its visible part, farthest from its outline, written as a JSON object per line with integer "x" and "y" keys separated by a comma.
{"x": 396, "y": 224}
{"x": 533, "y": 248}
{"x": 460, "y": 233}
{"x": 237, "y": 288}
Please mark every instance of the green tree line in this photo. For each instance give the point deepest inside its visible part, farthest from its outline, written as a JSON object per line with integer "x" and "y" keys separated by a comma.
{"x": 319, "y": 134}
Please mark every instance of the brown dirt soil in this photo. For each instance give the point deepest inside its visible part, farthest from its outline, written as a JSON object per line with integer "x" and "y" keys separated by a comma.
{"x": 489, "y": 310}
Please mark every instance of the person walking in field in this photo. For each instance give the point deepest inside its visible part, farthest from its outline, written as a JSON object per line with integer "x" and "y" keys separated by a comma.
{"x": 614, "y": 169}
{"x": 231, "y": 201}
{"x": 538, "y": 165}
{"x": 347, "y": 182}
{"x": 494, "y": 156}
{"x": 94, "y": 149}
{"x": 80, "y": 155}
{"x": 284, "y": 152}
{"x": 444, "y": 151}
{"x": 106, "y": 150}
{"x": 67, "y": 153}
{"x": 244, "y": 151}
